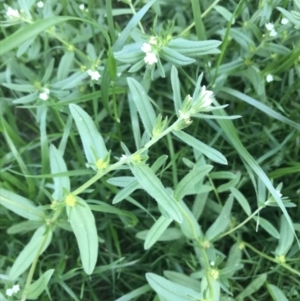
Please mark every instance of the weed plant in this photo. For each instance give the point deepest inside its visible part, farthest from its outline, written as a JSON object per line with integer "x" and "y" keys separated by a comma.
{"x": 150, "y": 150}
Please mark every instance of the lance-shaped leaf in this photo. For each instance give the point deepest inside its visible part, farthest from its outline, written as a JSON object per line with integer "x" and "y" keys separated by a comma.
{"x": 252, "y": 287}
{"x": 189, "y": 225}
{"x": 169, "y": 290}
{"x": 84, "y": 227}
{"x": 183, "y": 280}
{"x": 208, "y": 151}
{"x": 133, "y": 185}
{"x": 175, "y": 57}
{"x": 276, "y": 293}
{"x": 241, "y": 199}
{"x": 222, "y": 222}
{"x": 57, "y": 165}
{"x": 155, "y": 232}
{"x": 143, "y": 104}
{"x": 93, "y": 143}
{"x": 176, "y": 89}
{"x": 130, "y": 53}
{"x": 286, "y": 237}
{"x": 154, "y": 187}
{"x": 38, "y": 243}
{"x": 194, "y": 48}
{"x": 189, "y": 184}
{"x": 37, "y": 287}
{"x": 20, "y": 205}
{"x": 267, "y": 226}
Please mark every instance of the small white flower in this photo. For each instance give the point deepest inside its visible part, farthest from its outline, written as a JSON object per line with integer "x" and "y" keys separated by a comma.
{"x": 212, "y": 263}
{"x": 153, "y": 40}
{"x": 81, "y": 6}
{"x": 269, "y": 78}
{"x": 284, "y": 21}
{"x": 273, "y": 33}
{"x": 123, "y": 157}
{"x": 12, "y": 13}
{"x": 146, "y": 47}
{"x": 9, "y": 292}
{"x": 44, "y": 96}
{"x": 270, "y": 26}
{"x": 206, "y": 97}
{"x": 184, "y": 116}
{"x": 150, "y": 58}
{"x": 16, "y": 288}
{"x": 95, "y": 75}
{"x": 279, "y": 193}
{"x": 40, "y": 4}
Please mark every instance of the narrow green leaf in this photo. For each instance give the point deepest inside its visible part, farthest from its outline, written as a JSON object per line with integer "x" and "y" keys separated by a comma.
{"x": 57, "y": 165}
{"x": 241, "y": 199}
{"x": 39, "y": 242}
{"x": 154, "y": 187}
{"x": 222, "y": 222}
{"x": 135, "y": 293}
{"x": 170, "y": 290}
{"x": 30, "y": 31}
{"x": 190, "y": 181}
{"x": 267, "y": 226}
{"x": 208, "y": 151}
{"x": 286, "y": 237}
{"x": 194, "y": 48}
{"x": 233, "y": 260}
{"x": 260, "y": 106}
{"x": 226, "y": 14}
{"x": 104, "y": 207}
{"x": 183, "y": 280}
{"x": 121, "y": 181}
{"x": 156, "y": 231}
{"x": 175, "y": 57}
{"x": 65, "y": 65}
{"x": 84, "y": 227}
{"x": 276, "y": 293}
{"x": 91, "y": 138}
{"x": 20, "y": 205}
{"x": 248, "y": 160}
{"x": 126, "y": 191}
{"x": 176, "y": 89}
{"x": 37, "y": 287}
{"x": 254, "y": 286}
{"x": 131, "y": 54}
{"x": 189, "y": 226}
{"x": 24, "y": 227}
{"x": 130, "y": 26}
{"x": 143, "y": 104}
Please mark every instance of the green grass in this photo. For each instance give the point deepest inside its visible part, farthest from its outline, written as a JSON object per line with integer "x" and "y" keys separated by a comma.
{"x": 123, "y": 204}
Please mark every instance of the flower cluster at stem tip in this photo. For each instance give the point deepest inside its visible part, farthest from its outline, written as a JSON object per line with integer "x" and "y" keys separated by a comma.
{"x": 12, "y": 13}
{"x": 150, "y": 56}
{"x": 95, "y": 75}
{"x": 45, "y": 94}
{"x": 272, "y": 31}
{"x": 13, "y": 290}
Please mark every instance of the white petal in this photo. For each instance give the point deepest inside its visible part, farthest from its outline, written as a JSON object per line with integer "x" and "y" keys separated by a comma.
{"x": 43, "y": 96}
{"x": 270, "y": 26}
{"x": 40, "y": 4}
{"x": 146, "y": 47}
{"x": 12, "y": 13}
{"x": 9, "y": 292}
{"x": 269, "y": 78}
{"x": 16, "y": 288}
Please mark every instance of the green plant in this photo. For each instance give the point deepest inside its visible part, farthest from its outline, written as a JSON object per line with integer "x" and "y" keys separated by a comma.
{"x": 186, "y": 176}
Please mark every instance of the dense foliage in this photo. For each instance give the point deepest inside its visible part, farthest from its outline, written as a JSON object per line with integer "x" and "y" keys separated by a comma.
{"x": 150, "y": 150}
